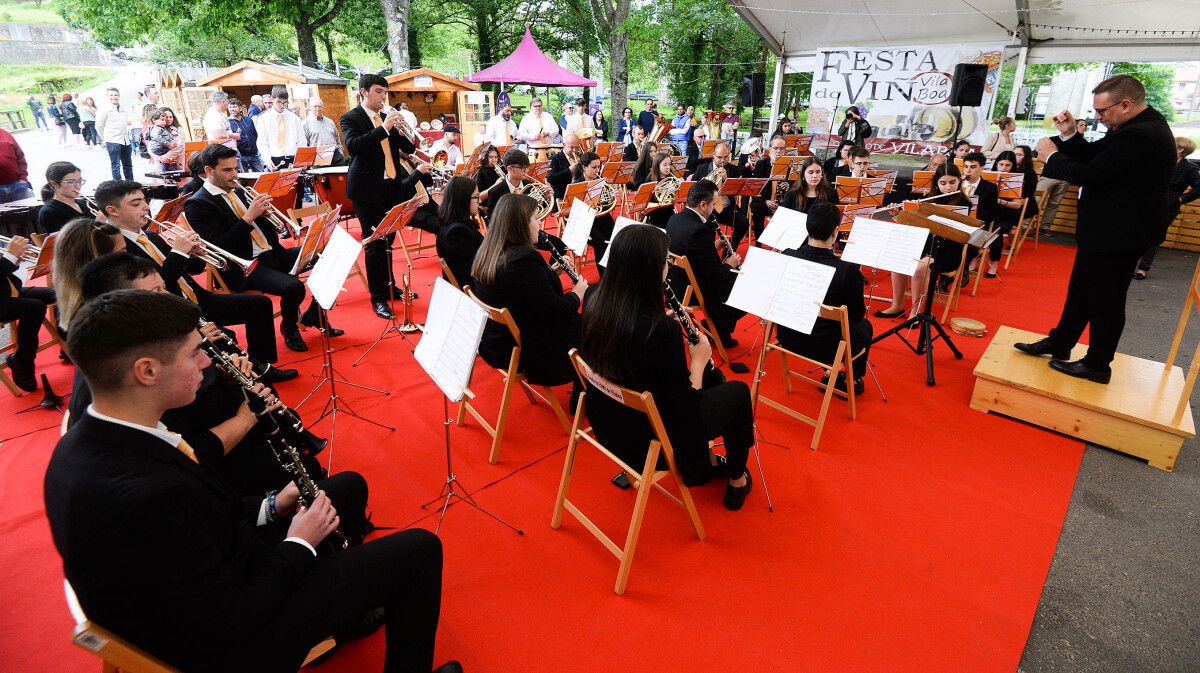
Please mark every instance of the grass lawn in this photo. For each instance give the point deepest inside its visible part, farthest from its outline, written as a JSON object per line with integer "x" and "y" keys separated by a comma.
{"x": 18, "y": 81}
{"x": 28, "y": 12}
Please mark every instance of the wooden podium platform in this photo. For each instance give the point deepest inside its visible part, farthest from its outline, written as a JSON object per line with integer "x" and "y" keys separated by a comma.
{"x": 1132, "y": 414}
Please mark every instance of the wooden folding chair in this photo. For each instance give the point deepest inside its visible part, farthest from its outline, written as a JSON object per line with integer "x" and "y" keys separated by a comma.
{"x": 449, "y": 274}
{"x": 951, "y": 296}
{"x": 513, "y": 379}
{"x": 54, "y": 339}
{"x": 1035, "y": 221}
{"x": 842, "y": 362}
{"x": 693, "y": 293}
{"x": 643, "y": 480}
{"x": 1022, "y": 230}
{"x": 119, "y": 655}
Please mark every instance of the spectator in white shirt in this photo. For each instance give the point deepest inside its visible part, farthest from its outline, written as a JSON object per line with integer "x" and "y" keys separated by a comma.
{"x": 320, "y": 130}
{"x": 112, "y": 123}
{"x": 216, "y": 122}
{"x": 578, "y": 118}
{"x": 537, "y": 127}
{"x": 280, "y": 132}
{"x": 448, "y": 143}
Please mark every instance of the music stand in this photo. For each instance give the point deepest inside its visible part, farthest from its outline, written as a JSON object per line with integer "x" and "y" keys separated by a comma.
{"x": 588, "y": 192}
{"x": 710, "y": 146}
{"x": 636, "y": 205}
{"x": 618, "y": 172}
{"x": 447, "y": 353}
{"x": 679, "y": 166}
{"x": 325, "y": 281}
{"x": 395, "y": 220}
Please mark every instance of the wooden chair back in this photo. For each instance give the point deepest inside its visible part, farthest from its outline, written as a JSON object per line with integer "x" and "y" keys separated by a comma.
{"x": 694, "y": 294}
{"x": 644, "y": 480}
{"x": 449, "y": 275}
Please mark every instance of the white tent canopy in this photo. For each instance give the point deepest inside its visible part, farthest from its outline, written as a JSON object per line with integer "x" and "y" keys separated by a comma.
{"x": 1042, "y": 31}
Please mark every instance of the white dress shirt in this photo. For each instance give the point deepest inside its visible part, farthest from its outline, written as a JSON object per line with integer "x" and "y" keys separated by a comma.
{"x": 578, "y": 121}
{"x": 255, "y": 248}
{"x": 454, "y": 155}
{"x": 533, "y": 125}
{"x": 494, "y": 131}
{"x": 267, "y": 125}
{"x": 217, "y": 123}
{"x": 161, "y": 432}
{"x": 113, "y": 124}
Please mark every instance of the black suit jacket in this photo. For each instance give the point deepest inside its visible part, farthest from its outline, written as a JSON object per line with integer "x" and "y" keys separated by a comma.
{"x": 160, "y": 549}
{"x": 457, "y": 243}
{"x": 630, "y": 153}
{"x": 696, "y": 239}
{"x": 366, "y": 178}
{"x": 215, "y": 221}
{"x": 732, "y": 170}
{"x": 846, "y": 289}
{"x": 559, "y": 174}
{"x": 174, "y": 266}
{"x": 1124, "y": 178}
{"x": 988, "y": 200}
{"x": 547, "y": 317}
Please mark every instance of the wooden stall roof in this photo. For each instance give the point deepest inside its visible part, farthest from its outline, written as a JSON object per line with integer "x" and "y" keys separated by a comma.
{"x": 272, "y": 73}
{"x": 406, "y": 81}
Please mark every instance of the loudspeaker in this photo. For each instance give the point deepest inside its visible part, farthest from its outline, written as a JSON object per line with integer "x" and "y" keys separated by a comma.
{"x": 754, "y": 89}
{"x": 967, "y": 89}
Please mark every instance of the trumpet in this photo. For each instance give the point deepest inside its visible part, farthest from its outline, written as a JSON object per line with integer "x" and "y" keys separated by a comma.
{"x": 281, "y": 222}
{"x": 403, "y": 127}
{"x": 211, "y": 254}
{"x": 31, "y": 254}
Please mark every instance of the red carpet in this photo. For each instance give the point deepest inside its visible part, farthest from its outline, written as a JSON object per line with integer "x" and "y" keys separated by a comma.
{"x": 917, "y": 538}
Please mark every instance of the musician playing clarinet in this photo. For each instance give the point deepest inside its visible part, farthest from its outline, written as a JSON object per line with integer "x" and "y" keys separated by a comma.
{"x": 628, "y": 338}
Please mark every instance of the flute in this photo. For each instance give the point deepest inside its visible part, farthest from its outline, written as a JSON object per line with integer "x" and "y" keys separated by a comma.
{"x": 558, "y": 257}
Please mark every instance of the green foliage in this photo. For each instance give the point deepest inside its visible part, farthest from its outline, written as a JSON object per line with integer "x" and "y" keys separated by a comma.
{"x": 1036, "y": 75}
{"x": 1158, "y": 78}
{"x": 18, "y": 81}
{"x": 29, "y": 12}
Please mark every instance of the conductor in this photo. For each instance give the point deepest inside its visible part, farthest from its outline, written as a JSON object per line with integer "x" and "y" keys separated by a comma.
{"x": 1122, "y": 213}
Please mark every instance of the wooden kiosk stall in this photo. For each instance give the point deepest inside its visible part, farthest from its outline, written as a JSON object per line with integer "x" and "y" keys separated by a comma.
{"x": 247, "y": 78}
{"x": 431, "y": 94}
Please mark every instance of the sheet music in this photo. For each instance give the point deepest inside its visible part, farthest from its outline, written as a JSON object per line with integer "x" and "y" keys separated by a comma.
{"x": 787, "y": 229}
{"x": 965, "y": 228}
{"x": 579, "y": 226}
{"x": 620, "y": 224}
{"x": 453, "y": 327}
{"x": 885, "y": 245}
{"x": 329, "y": 274}
{"x": 785, "y": 290}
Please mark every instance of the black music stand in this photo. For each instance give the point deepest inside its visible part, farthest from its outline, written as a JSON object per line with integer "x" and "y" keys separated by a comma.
{"x": 393, "y": 222}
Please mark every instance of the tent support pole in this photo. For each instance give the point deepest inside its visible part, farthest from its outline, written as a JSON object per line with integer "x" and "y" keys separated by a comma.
{"x": 776, "y": 94}
{"x": 1018, "y": 80}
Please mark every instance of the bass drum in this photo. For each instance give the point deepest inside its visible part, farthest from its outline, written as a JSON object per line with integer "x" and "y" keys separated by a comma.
{"x": 942, "y": 124}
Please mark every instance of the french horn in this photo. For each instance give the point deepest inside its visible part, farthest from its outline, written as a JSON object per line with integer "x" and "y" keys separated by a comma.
{"x": 542, "y": 193}
{"x": 664, "y": 191}
{"x": 608, "y": 198}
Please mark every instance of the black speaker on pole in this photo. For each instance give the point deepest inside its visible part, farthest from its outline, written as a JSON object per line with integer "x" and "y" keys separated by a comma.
{"x": 969, "y": 80}
{"x": 753, "y": 90}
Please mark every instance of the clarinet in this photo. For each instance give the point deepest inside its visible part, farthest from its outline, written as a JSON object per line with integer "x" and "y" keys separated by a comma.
{"x": 285, "y": 452}
{"x": 685, "y": 321}
{"x": 729, "y": 252}
{"x": 558, "y": 257}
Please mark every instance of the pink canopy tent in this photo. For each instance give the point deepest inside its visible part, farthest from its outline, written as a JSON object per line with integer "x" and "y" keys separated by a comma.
{"x": 528, "y": 65}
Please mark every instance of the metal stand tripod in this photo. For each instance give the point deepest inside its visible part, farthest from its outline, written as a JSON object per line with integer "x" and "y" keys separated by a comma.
{"x": 393, "y": 326}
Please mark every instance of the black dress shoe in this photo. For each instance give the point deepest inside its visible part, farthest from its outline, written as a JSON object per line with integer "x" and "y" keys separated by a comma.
{"x": 22, "y": 373}
{"x": 382, "y": 309}
{"x": 309, "y": 320}
{"x": 729, "y": 342}
{"x": 1043, "y": 347}
{"x": 735, "y": 496}
{"x": 360, "y": 627}
{"x": 1081, "y": 371}
{"x": 449, "y": 667}
{"x": 292, "y": 339}
{"x": 277, "y": 375}
{"x": 62, "y": 355}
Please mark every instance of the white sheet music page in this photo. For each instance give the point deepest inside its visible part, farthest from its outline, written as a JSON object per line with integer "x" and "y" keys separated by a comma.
{"x": 885, "y": 245}
{"x": 755, "y": 286}
{"x": 620, "y": 224}
{"x": 453, "y": 327}
{"x": 797, "y": 301}
{"x": 329, "y": 273}
{"x": 787, "y": 229}
{"x": 965, "y": 228}
{"x": 867, "y": 238}
{"x": 579, "y": 225}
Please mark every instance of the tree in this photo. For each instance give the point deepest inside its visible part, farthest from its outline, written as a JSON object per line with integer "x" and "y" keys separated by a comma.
{"x": 395, "y": 14}
{"x": 609, "y": 18}
{"x": 307, "y": 17}
{"x": 1158, "y": 78}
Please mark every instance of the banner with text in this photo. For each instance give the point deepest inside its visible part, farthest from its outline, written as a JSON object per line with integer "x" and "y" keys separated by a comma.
{"x": 903, "y": 92}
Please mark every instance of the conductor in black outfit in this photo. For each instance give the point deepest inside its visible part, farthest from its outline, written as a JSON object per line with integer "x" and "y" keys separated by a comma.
{"x": 693, "y": 233}
{"x": 1122, "y": 213}
{"x": 378, "y": 179}
{"x": 161, "y": 551}
{"x": 846, "y": 289}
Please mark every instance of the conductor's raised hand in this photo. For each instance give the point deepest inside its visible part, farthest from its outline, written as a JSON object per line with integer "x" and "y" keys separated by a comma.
{"x": 315, "y": 522}
{"x": 1065, "y": 122}
{"x": 1045, "y": 147}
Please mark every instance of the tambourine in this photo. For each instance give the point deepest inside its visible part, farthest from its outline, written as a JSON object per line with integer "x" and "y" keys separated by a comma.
{"x": 968, "y": 327}
{"x": 424, "y": 126}
{"x": 436, "y": 125}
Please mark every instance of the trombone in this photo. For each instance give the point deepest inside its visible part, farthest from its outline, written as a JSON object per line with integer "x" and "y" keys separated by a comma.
{"x": 211, "y": 254}
{"x": 278, "y": 220}
{"x": 31, "y": 254}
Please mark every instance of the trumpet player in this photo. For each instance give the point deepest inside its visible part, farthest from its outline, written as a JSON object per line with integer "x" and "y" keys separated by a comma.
{"x": 280, "y": 131}
{"x": 126, "y": 206}
{"x": 25, "y": 305}
{"x": 563, "y": 166}
{"x": 721, "y": 168}
{"x": 222, "y": 214}
{"x": 448, "y": 143}
{"x": 377, "y": 180}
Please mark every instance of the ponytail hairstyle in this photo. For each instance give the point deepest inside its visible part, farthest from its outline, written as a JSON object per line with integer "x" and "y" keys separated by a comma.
{"x": 55, "y": 173}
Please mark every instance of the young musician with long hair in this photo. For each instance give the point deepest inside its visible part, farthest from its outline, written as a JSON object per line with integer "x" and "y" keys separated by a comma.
{"x": 641, "y": 172}
{"x": 1008, "y": 210}
{"x": 60, "y": 194}
{"x": 81, "y": 241}
{"x": 839, "y": 158}
{"x": 1002, "y": 140}
{"x": 811, "y": 187}
{"x": 947, "y": 182}
{"x": 509, "y": 273}
{"x": 459, "y": 238}
{"x": 628, "y": 338}
{"x": 490, "y": 169}
{"x": 586, "y": 170}
{"x": 659, "y": 169}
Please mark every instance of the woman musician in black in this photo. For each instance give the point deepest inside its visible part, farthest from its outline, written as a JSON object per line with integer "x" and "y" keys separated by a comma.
{"x": 459, "y": 238}
{"x": 587, "y": 169}
{"x": 659, "y": 169}
{"x": 811, "y": 186}
{"x": 629, "y": 339}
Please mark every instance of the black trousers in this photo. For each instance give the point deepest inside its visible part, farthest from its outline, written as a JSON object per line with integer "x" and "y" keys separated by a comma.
{"x": 1096, "y": 298}
{"x": 379, "y": 275}
{"x": 252, "y": 310}
{"x": 735, "y": 217}
{"x": 822, "y": 345}
{"x": 722, "y": 316}
{"x": 347, "y": 492}
{"x": 1002, "y": 229}
{"x": 726, "y": 412}
{"x": 28, "y": 309}
{"x": 271, "y": 277}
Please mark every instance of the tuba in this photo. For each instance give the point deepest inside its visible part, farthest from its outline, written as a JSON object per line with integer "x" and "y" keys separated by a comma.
{"x": 664, "y": 191}
{"x": 608, "y": 198}
{"x": 540, "y": 192}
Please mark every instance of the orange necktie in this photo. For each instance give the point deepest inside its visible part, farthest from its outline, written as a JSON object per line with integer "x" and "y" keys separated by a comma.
{"x": 280, "y": 134}
{"x": 240, "y": 211}
{"x": 159, "y": 259}
{"x": 389, "y": 166}
{"x": 186, "y": 449}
